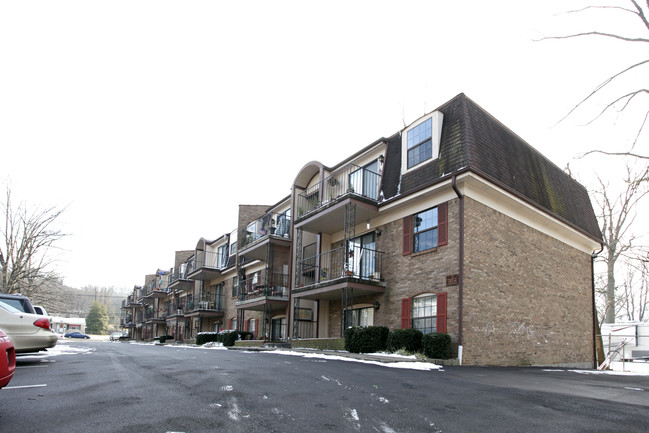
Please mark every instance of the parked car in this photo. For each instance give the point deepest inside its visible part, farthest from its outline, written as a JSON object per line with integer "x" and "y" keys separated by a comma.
{"x": 76, "y": 334}
{"x": 29, "y": 332}
{"x": 7, "y": 363}
{"x": 116, "y": 336}
{"x": 19, "y": 302}
{"x": 40, "y": 310}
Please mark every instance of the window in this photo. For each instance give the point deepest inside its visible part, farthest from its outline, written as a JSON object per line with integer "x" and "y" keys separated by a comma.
{"x": 252, "y": 326}
{"x": 424, "y": 313}
{"x": 362, "y": 256}
{"x": 233, "y": 324}
{"x": 360, "y": 317}
{"x": 222, "y": 256}
{"x": 365, "y": 181}
{"x": 235, "y": 286}
{"x": 425, "y": 230}
{"x": 420, "y": 144}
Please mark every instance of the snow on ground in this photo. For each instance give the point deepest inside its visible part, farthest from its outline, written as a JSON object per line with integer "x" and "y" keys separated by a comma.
{"x": 58, "y": 350}
{"x": 424, "y": 366}
{"x": 617, "y": 368}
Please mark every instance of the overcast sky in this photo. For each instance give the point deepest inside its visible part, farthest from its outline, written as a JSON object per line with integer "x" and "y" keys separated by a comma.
{"x": 152, "y": 120}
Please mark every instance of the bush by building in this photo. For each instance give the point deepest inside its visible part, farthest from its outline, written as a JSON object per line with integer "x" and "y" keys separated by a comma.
{"x": 436, "y": 345}
{"x": 407, "y": 339}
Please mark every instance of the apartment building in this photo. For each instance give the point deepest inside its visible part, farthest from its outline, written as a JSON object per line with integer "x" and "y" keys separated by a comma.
{"x": 453, "y": 224}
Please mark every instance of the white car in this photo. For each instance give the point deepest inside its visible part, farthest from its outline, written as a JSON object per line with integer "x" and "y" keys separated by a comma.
{"x": 29, "y": 332}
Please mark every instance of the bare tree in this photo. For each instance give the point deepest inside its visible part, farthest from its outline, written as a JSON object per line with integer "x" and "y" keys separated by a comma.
{"x": 635, "y": 296}
{"x": 620, "y": 101}
{"x": 28, "y": 235}
{"x": 616, "y": 214}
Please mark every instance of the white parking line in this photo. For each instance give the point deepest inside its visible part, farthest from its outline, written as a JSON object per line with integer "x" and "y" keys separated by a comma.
{"x": 32, "y": 366}
{"x": 24, "y": 386}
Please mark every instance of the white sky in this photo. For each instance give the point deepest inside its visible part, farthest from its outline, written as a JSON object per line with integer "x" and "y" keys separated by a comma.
{"x": 152, "y": 120}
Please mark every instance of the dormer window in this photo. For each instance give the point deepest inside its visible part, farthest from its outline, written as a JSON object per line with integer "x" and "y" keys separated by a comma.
{"x": 421, "y": 140}
{"x": 420, "y": 145}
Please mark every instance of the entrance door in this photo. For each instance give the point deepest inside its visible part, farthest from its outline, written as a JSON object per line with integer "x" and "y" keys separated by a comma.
{"x": 362, "y": 255}
{"x": 278, "y": 329}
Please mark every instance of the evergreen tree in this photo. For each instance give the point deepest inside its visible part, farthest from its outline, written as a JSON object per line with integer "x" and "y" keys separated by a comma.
{"x": 97, "y": 319}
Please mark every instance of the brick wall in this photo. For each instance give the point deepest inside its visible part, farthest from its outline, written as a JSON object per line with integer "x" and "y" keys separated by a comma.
{"x": 527, "y": 296}
{"x": 408, "y": 276}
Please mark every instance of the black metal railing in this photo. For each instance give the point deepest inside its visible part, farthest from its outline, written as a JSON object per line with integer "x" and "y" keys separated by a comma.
{"x": 263, "y": 284}
{"x": 207, "y": 259}
{"x": 275, "y": 224}
{"x": 356, "y": 262}
{"x": 349, "y": 179}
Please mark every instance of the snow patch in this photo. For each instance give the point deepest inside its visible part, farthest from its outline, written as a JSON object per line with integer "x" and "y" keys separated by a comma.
{"x": 422, "y": 366}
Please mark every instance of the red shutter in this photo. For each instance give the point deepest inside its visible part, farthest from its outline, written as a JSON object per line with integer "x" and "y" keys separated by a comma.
{"x": 442, "y": 224}
{"x": 441, "y": 312}
{"x": 229, "y": 324}
{"x": 245, "y": 325}
{"x": 256, "y": 328}
{"x": 405, "y": 313}
{"x": 407, "y": 235}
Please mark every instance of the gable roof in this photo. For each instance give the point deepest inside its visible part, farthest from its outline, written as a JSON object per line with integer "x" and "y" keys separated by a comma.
{"x": 473, "y": 140}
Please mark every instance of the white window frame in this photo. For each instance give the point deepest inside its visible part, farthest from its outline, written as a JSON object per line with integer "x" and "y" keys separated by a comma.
{"x": 433, "y": 317}
{"x": 437, "y": 118}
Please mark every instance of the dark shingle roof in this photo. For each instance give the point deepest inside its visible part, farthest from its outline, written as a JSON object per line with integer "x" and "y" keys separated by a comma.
{"x": 474, "y": 140}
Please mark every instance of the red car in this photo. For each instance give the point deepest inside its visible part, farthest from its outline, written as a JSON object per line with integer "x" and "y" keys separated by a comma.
{"x": 8, "y": 361}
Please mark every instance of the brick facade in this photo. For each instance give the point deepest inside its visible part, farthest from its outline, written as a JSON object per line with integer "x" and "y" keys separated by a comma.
{"x": 527, "y": 296}
{"x": 415, "y": 274}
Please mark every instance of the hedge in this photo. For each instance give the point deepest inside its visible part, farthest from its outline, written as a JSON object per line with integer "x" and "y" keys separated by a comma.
{"x": 436, "y": 345}
{"x": 366, "y": 339}
{"x": 408, "y": 339}
{"x": 226, "y": 337}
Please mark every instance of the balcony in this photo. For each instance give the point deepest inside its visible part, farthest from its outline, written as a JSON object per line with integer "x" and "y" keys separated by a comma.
{"x": 273, "y": 228}
{"x": 155, "y": 289}
{"x": 131, "y": 301}
{"x": 127, "y": 321}
{"x": 323, "y": 275}
{"x": 153, "y": 315}
{"x": 210, "y": 305}
{"x": 321, "y": 207}
{"x": 178, "y": 277}
{"x": 264, "y": 290}
{"x": 206, "y": 265}
{"x": 175, "y": 310}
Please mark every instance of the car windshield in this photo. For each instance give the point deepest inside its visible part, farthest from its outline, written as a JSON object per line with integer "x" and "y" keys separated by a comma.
{"x": 9, "y": 307}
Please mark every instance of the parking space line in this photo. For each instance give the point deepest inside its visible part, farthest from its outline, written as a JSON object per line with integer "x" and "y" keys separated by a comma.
{"x": 24, "y": 386}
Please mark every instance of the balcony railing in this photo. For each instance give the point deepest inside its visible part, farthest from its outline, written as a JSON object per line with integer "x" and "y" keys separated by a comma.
{"x": 273, "y": 284}
{"x": 207, "y": 259}
{"x": 155, "y": 286}
{"x": 178, "y": 274}
{"x": 349, "y": 179}
{"x": 276, "y": 224}
{"x": 175, "y": 308}
{"x": 357, "y": 262}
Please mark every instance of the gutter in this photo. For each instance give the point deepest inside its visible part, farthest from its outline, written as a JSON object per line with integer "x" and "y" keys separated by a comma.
{"x": 461, "y": 270}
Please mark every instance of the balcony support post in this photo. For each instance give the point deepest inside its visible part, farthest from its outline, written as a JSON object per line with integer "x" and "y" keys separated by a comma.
{"x": 347, "y": 302}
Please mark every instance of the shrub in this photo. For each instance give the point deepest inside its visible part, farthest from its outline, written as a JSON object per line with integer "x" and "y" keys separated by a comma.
{"x": 206, "y": 337}
{"x": 366, "y": 339}
{"x": 164, "y": 338}
{"x": 408, "y": 339}
{"x": 436, "y": 345}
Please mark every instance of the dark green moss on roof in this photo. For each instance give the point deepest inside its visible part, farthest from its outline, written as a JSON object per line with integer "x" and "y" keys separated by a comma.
{"x": 472, "y": 139}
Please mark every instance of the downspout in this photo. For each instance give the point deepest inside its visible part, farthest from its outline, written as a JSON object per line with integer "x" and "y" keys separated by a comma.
{"x": 460, "y": 306}
{"x": 598, "y": 340}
